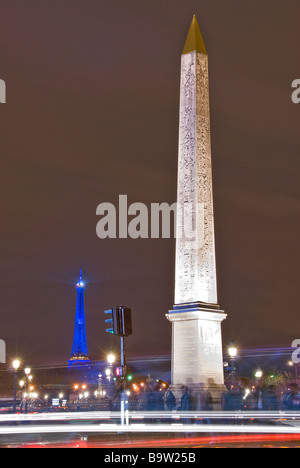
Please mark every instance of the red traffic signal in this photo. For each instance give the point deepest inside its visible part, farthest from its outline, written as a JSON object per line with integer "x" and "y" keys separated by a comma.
{"x": 119, "y": 371}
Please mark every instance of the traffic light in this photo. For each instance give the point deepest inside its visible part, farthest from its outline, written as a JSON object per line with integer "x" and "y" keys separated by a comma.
{"x": 125, "y": 321}
{"x": 120, "y": 319}
{"x": 120, "y": 371}
{"x": 113, "y": 320}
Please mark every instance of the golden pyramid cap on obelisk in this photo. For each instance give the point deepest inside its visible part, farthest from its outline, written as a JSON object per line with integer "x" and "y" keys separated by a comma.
{"x": 194, "y": 41}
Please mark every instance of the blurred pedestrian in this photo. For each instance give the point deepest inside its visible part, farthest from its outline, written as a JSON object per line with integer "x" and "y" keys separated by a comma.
{"x": 232, "y": 399}
{"x": 169, "y": 399}
{"x": 186, "y": 405}
{"x": 203, "y": 402}
{"x": 159, "y": 401}
{"x": 258, "y": 399}
{"x": 186, "y": 400}
{"x": 150, "y": 398}
{"x": 291, "y": 398}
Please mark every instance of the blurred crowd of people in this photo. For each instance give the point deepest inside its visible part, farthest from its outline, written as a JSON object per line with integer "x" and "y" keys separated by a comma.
{"x": 261, "y": 398}
{"x": 158, "y": 396}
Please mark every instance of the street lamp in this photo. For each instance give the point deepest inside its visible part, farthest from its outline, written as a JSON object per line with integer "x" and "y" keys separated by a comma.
{"x": 16, "y": 365}
{"x": 111, "y": 359}
{"x": 27, "y": 377}
{"x": 232, "y": 351}
{"x": 259, "y": 374}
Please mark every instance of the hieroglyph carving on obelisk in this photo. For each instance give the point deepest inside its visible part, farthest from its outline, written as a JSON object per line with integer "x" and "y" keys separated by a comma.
{"x": 195, "y": 274}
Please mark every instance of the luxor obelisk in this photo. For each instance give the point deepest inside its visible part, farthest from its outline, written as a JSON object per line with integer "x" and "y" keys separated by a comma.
{"x": 196, "y": 317}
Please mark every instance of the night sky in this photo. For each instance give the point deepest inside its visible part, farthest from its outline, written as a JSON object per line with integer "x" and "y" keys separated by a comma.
{"x": 92, "y": 112}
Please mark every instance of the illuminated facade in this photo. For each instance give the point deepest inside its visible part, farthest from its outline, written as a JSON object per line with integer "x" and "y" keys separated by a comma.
{"x": 196, "y": 316}
{"x": 79, "y": 353}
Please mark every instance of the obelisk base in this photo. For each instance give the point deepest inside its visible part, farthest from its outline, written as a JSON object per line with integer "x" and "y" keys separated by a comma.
{"x": 197, "y": 357}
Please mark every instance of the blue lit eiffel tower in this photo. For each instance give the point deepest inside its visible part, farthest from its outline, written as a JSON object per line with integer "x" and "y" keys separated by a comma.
{"x": 79, "y": 353}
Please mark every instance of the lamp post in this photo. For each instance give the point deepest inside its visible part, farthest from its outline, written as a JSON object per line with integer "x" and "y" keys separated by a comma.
{"x": 111, "y": 358}
{"x": 27, "y": 375}
{"x": 16, "y": 365}
{"x": 232, "y": 351}
{"x": 295, "y": 365}
{"x": 100, "y": 385}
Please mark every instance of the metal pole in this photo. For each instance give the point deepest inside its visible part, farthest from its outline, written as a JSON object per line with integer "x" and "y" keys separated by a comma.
{"x": 26, "y": 399}
{"x": 123, "y": 394}
{"x": 15, "y": 392}
{"x": 122, "y": 410}
{"x": 123, "y": 356}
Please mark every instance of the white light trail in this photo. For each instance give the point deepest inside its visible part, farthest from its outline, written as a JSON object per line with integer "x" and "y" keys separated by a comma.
{"x": 286, "y": 422}
{"x": 150, "y": 428}
{"x": 107, "y": 415}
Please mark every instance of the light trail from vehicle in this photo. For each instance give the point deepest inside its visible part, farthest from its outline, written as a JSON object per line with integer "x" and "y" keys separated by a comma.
{"x": 281, "y": 416}
{"x": 191, "y": 423}
{"x": 150, "y": 428}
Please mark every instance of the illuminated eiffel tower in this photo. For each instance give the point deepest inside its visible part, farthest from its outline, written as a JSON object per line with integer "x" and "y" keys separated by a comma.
{"x": 79, "y": 353}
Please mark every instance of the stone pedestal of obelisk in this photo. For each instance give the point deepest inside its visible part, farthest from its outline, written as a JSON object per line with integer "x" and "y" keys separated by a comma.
{"x": 197, "y": 358}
